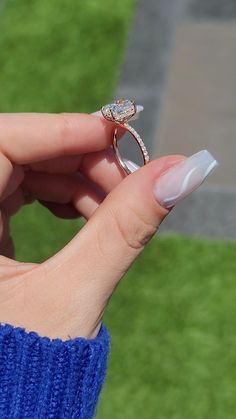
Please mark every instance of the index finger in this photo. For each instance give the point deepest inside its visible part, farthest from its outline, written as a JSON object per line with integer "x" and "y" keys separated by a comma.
{"x": 30, "y": 137}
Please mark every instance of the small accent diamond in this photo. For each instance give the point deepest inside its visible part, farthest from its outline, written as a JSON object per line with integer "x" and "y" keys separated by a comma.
{"x": 139, "y": 141}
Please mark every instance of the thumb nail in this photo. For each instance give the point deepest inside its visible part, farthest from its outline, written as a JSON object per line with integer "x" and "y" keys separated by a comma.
{"x": 184, "y": 178}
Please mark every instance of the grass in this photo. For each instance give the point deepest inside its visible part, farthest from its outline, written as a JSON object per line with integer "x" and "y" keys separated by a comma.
{"x": 173, "y": 317}
{"x": 173, "y": 323}
{"x": 61, "y": 55}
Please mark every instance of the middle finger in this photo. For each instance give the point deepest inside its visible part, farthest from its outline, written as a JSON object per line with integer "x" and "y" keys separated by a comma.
{"x": 64, "y": 189}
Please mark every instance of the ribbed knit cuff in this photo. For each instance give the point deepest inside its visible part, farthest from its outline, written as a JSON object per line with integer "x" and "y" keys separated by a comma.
{"x": 50, "y": 378}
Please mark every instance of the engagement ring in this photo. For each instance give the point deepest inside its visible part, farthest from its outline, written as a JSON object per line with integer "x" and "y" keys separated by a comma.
{"x": 120, "y": 112}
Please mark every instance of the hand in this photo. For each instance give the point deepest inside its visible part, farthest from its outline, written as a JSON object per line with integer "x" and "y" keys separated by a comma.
{"x": 66, "y": 162}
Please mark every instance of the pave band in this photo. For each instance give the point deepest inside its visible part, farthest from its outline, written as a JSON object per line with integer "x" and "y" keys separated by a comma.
{"x": 137, "y": 138}
{"x": 120, "y": 112}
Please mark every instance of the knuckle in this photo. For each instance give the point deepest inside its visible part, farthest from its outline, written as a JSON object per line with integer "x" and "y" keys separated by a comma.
{"x": 134, "y": 228}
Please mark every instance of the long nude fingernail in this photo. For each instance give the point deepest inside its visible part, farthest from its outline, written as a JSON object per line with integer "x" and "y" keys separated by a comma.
{"x": 131, "y": 165}
{"x": 184, "y": 178}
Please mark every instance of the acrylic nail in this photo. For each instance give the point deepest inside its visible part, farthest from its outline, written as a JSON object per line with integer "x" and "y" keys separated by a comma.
{"x": 184, "y": 178}
{"x": 131, "y": 165}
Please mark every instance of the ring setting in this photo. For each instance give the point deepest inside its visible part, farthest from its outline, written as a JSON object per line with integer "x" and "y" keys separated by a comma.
{"x": 121, "y": 112}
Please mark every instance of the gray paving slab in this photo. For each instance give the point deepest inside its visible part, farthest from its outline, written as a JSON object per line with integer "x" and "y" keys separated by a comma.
{"x": 199, "y": 109}
{"x": 152, "y": 26}
{"x": 188, "y": 91}
{"x": 208, "y": 212}
{"x": 200, "y": 112}
{"x": 147, "y": 56}
{"x": 212, "y": 9}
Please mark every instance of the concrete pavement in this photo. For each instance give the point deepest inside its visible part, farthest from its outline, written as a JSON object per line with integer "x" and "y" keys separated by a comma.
{"x": 181, "y": 64}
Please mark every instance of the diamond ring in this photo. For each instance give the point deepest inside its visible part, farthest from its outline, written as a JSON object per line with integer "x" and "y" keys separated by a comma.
{"x": 120, "y": 112}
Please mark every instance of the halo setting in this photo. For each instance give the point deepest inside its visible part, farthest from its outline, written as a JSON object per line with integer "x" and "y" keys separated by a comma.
{"x": 120, "y": 111}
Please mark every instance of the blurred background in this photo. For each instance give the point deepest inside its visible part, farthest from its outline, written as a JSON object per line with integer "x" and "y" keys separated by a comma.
{"x": 173, "y": 318}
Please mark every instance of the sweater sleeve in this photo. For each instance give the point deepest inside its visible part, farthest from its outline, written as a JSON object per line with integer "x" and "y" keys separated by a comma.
{"x": 50, "y": 378}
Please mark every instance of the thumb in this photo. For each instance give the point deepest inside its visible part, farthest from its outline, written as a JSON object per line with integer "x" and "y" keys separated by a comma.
{"x": 115, "y": 235}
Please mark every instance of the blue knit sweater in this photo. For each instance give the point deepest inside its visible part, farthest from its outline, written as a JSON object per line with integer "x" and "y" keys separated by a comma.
{"x": 43, "y": 378}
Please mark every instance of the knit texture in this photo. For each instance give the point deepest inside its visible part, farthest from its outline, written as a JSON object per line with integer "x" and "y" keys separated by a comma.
{"x": 50, "y": 378}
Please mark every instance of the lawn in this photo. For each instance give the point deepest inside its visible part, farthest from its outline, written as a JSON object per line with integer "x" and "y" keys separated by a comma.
{"x": 173, "y": 323}
{"x": 173, "y": 318}
{"x": 61, "y": 55}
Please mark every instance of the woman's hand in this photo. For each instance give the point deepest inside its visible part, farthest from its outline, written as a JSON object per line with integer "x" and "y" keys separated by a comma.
{"x": 65, "y": 161}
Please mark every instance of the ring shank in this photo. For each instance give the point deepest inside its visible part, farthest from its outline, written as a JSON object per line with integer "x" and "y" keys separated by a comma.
{"x": 138, "y": 140}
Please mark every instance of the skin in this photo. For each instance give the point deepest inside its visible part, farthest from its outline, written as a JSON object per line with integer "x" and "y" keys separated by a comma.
{"x": 65, "y": 161}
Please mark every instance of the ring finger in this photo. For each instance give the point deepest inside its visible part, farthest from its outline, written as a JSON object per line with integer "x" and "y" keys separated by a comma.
{"x": 64, "y": 189}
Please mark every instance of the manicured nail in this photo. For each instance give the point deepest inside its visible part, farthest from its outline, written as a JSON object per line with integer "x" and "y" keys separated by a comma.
{"x": 131, "y": 165}
{"x": 184, "y": 178}
{"x": 139, "y": 109}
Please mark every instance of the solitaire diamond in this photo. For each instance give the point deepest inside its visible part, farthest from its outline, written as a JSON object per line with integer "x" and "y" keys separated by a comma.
{"x": 120, "y": 111}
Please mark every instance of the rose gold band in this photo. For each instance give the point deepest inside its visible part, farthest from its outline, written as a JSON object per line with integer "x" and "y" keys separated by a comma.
{"x": 120, "y": 112}
{"x": 137, "y": 138}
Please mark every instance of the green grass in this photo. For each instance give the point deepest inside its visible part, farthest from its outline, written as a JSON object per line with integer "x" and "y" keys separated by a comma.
{"x": 38, "y": 234}
{"x": 173, "y": 323}
{"x": 61, "y": 55}
{"x": 173, "y": 318}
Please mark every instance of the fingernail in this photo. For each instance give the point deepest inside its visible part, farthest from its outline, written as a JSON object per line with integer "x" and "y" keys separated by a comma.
{"x": 138, "y": 107}
{"x": 184, "y": 178}
{"x": 131, "y": 165}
